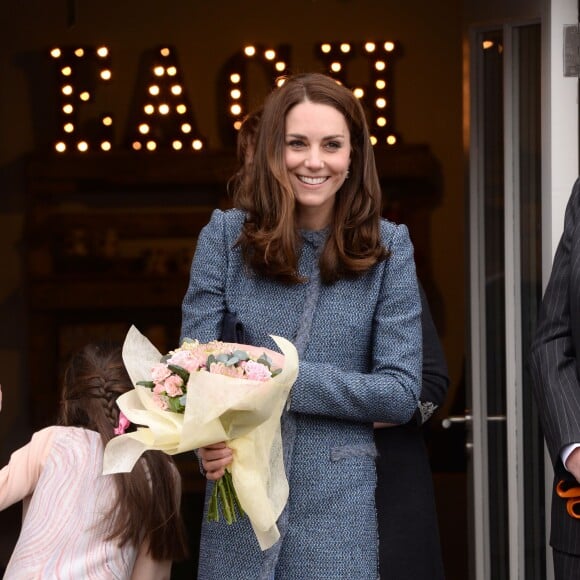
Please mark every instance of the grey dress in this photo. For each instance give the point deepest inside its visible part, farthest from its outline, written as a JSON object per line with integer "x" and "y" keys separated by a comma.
{"x": 360, "y": 361}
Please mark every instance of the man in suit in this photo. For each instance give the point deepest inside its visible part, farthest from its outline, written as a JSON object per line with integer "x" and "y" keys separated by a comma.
{"x": 555, "y": 368}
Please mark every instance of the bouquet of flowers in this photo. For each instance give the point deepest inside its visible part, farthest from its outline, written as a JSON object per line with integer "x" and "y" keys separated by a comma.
{"x": 200, "y": 394}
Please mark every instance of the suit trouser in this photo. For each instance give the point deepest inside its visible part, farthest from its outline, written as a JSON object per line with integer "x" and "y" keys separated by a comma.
{"x": 566, "y": 566}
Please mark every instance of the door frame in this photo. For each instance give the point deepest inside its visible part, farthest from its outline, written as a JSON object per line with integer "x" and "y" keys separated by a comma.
{"x": 480, "y": 525}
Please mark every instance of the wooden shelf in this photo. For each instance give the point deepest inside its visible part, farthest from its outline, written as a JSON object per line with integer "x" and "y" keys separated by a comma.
{"x": 130, "y": 172}
{"x": 106, "y": 293}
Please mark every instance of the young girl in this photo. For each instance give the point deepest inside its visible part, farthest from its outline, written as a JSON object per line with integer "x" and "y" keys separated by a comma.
{"x": 78, "y": 523}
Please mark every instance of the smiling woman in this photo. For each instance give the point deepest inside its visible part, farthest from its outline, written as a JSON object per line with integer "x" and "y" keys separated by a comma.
{"x": 317, "y": 158}
{"x": 305, "y": 255}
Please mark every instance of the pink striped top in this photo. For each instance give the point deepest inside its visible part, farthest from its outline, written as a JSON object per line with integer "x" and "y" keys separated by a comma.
{"x": 58, "y": 477}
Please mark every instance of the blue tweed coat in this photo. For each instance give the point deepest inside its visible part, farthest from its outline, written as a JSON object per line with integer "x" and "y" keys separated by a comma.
{"x": 360, "y": 347}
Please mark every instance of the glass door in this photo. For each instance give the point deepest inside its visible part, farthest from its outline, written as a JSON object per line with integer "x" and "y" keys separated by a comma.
{"x": 506, "y": 461}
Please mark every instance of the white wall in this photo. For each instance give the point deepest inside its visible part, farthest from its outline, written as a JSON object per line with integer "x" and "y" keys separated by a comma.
{"x": 560, "y": 125}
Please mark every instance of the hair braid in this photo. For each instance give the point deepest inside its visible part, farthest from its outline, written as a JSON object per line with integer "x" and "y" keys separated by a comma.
{"x": 109, "y": 402}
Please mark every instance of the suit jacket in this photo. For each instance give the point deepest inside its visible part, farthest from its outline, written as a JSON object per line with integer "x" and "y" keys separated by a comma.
{"x": 555, "y": 365}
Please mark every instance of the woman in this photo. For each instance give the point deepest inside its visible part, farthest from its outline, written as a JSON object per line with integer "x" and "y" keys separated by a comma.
{"x": 306, "y": 255}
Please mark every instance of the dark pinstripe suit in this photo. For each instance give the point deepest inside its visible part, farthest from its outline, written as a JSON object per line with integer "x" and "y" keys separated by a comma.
{"x": 555, "y": 368}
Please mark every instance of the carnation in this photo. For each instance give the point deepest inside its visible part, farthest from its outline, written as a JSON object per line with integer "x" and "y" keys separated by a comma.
{"x": 160, "y": 401}
{"x": 190, "y": 360}
{"x": 173, "y": 386}
{"x": 159, "y": 373}
{"x": 220, "y": 368}
{"x": 256, "y": 371}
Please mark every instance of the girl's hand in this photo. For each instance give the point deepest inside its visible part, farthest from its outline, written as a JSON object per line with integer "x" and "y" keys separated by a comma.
{"x": 214, "y": 460}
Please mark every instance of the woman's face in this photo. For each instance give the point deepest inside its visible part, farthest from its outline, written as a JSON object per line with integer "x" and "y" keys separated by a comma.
{"x": 317, "y": 155}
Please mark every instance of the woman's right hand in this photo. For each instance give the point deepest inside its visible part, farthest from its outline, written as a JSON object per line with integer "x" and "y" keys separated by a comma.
{"x": 214, "y": 460}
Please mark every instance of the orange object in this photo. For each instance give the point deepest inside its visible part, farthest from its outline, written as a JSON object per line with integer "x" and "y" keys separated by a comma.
{"x": 570, "y": 490}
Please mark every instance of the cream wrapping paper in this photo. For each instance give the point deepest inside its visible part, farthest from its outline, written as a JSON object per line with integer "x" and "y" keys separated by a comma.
{"x": 246, "y": 414}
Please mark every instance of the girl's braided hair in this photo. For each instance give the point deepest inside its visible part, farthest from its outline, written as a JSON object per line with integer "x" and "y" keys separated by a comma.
{"x": 147, "y": 507}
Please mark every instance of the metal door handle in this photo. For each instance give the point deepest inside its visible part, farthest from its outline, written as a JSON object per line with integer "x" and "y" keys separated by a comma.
{"x": 448, "y": 421}
{"x": 467, "y": 418}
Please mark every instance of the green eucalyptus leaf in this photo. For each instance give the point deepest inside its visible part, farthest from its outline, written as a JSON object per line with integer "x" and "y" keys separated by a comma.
{"x": 148, "y": 384}
{"x": 232, "y": 361}
{"x": 180, "y": 372}
{"x": 265, "y": 360}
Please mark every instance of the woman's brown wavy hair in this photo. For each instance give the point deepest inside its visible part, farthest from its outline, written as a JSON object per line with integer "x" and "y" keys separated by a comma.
{"x": 147, "y": 506}
{"x": 270, "y": 241}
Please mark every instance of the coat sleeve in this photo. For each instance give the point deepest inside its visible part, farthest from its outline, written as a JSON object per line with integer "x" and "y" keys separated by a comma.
{"x": 553, "y": 363}
{"x": 18, "y": 479}
{"x": 434, "y": 375}
{"x": 390, "y": 391}
{"x": 206, "y": 284}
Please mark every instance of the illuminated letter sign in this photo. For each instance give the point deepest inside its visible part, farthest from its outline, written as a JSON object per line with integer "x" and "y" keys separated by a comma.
{"x": 80, "y": 71}
{"x": 162, "y": 117}
{"x": 376, "y": 96}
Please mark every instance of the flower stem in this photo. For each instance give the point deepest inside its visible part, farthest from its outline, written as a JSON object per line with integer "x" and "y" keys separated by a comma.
{"x": 225, "y": 500}
{"x": 236, "y": 506}
{"x": 224, "y": 495}
{"x": 213, "y": 514}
